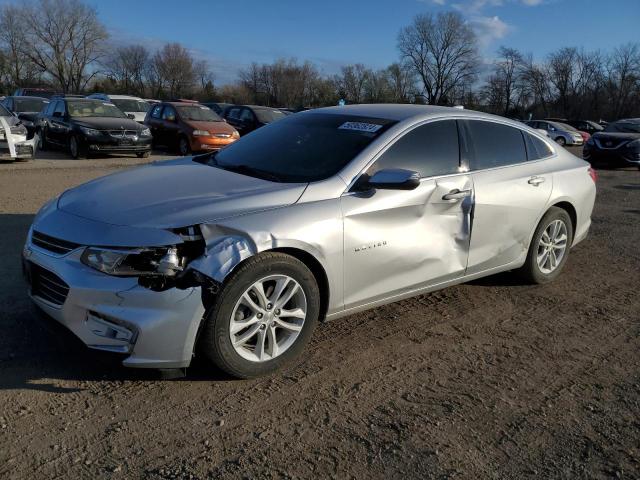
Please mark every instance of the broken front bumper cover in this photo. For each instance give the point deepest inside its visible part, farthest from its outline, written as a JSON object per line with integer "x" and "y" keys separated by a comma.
{"x": 15, "y": 145}
{"x": 155, "y": 329}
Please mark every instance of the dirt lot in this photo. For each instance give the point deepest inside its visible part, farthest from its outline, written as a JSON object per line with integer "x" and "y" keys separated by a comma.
{"x": 493, "y": 379}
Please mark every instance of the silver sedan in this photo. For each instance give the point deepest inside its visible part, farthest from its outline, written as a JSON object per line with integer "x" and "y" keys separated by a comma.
{"x": 317, "y": 216}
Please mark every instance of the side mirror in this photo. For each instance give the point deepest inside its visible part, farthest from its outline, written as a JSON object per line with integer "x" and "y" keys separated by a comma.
{"x": 394, "y": 179}
{"x": 131, "y": 116}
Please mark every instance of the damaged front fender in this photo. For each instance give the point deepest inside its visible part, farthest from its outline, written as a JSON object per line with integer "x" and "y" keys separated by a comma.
{"x": 222, "y": 255}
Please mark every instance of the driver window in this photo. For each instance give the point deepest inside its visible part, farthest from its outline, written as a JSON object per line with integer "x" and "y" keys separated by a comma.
{"x": 430, "y": 150}
{"x": 169, "y": 114}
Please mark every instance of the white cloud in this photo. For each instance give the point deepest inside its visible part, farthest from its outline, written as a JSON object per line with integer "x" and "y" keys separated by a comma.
{"x": 488, "y": 29}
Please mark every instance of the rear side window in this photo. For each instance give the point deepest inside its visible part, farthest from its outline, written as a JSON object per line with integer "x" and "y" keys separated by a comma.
{"x": 495, "y": 145}
{"x": 430, "y": 150}
{"x": 536, "y": 148}
{"x": 169, "y": 113}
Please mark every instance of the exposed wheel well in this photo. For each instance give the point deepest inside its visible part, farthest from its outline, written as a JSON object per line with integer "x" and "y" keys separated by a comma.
{"x": 318, "y": 272}
{"x": 570, "y": 209}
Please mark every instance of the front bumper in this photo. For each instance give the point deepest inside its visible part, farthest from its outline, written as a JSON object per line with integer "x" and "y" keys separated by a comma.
{"x": 108, "y": 144}
{"x": 202, "y": 143}
{"x": 154, "y": 329}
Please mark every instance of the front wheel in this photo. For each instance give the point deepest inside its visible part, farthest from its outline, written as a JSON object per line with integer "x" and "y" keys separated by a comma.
{"x": 183, "y": 146}
{"x": 263, "y": 317}
{"x": 561, "y": 141}
{"x": 549, "y": 247}
{"x": 76, "y": 149}
{"x": 143, "y": 154}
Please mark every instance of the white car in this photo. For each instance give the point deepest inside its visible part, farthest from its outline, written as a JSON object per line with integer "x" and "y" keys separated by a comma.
{"x": 134, "y": 107}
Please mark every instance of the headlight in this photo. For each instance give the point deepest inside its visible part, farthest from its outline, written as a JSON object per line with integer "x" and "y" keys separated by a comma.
{"x": 133, "y": 262}
{"x": 145, "y": 132}
{"x": 19, "y": 130}
{"x": 89, "y": 132}
{"x": 201, "y": 133}
{"x": 235, "y": 134}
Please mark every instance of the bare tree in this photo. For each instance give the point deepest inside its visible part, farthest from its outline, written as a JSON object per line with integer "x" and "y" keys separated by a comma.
{"x": 623, "y": 79}
{"x": 204, "y": 78}
{"x": 401, "y": 82}
{"x": 351, "y": 82}
{"x": 508, "y": 69}
{"x": 19, "y": 70}
{"x": 173, "y": 70}
{"x": 127, "y": 67}
{"x": 442, "y": 51}
{"x": 63, "y": 38}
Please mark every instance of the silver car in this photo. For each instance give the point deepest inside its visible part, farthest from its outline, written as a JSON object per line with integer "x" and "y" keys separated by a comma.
{"x": 315, "y": 217}
{"x": 561, "y": 133}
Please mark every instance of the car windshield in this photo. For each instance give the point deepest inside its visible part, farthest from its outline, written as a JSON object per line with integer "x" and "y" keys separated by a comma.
{"x": 30, "y": 104}
{"x": 623, "y": 127}
{"x": 4, "y": 112}
{"x": 564, "y": 126}
{"x": 130, "y": 105}
{"x": 268, "y": 115}
{"x": 198, "y": 113}
{"x": 93, "y": 108}
{"x": 301, "y": 148}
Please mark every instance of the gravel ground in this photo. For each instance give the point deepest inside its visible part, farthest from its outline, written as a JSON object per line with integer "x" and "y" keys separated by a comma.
{"x": 492, "y": 379}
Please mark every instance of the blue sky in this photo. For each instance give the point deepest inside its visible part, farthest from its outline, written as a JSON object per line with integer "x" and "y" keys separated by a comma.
{"x": 232, "y": 33}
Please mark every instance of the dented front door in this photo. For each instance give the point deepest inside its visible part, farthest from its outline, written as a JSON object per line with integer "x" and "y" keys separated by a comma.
{"x": 397, "y": 240}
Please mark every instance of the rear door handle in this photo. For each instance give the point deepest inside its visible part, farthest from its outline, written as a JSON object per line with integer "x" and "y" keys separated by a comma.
{"x": 456, "y": 194}
{"x": 535, "y": 181}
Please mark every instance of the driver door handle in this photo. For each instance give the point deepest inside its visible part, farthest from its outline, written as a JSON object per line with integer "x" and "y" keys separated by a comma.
{"x": 535, "y": 181}
{"x": 456, "y": 194}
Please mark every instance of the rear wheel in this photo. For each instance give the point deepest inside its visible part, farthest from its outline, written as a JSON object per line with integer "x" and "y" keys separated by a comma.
{"x": 143, "y": 154}
{"x": 549, "y": 247}
{"x": 561, "y": 141}
{"x": 42, "y": 141}
{"x": 263, "y": 317}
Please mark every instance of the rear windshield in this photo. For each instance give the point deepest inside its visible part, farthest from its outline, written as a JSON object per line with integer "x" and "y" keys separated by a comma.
{"x": 30, "y": 104}
{"x": 198, "y": 113}
{"x": 623, "y": 127}
{"x": 302, "y": 148}
{"x": 130, "y": 105}
{"x": 93, "y": 108}
{"x": 268, "y": 115}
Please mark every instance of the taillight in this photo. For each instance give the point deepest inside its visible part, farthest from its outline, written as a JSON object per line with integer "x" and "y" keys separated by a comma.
{"x": 593, "y": 174}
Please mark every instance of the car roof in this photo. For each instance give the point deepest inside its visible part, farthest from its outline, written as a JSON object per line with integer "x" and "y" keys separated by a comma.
{"x": 123, "y": 97}
{"x": 191, "y": 103}
{"x": 29, "y": 97}
{"x": 401, "y": 112}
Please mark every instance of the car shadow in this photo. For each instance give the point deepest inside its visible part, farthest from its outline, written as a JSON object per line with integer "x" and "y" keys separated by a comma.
{"x": 38, "y": 353}
{"x": 504, "y": 279}
{"x": 628, "y": 186}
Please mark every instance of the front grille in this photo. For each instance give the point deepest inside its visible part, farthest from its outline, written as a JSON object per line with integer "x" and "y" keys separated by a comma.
{"x": 123, "y": 133}
{"x": 52, "y": 244}
{"x": 47, "y": 285}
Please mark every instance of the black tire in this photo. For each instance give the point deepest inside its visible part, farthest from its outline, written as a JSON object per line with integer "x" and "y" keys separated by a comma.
{"x": 143, "y": 154}
{"x": 561, "y": 141}
{"x": 215, "y": 342}
{"x": 42, "y": 141}
{"x": 76, "y": 149}
{"x": 184, "y": 148}
{"x": 530, "y": 271}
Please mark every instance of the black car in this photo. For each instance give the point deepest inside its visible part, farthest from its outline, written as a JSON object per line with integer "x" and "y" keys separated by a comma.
{"x": 246, "y": 118}
{"x": 26, "y": 109}
{"x": 588, "y": 126}
{"x": 617, "y": 145}
{"x": 217, "y": 107}
{"x": 85, "y": 126}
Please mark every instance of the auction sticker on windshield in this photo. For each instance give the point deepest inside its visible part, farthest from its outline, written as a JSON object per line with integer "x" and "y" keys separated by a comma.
{"x": 360, "y": 127}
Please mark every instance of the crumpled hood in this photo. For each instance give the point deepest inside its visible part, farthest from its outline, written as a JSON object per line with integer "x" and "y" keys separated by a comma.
{"x": 175, "y": 193}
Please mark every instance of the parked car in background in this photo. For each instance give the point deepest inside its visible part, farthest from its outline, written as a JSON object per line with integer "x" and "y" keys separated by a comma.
{"x": 188, "y": 127}
{"x": 14, "y": 144}
{"x": 316, "y": 216}
{"x": 588, "y": 126}
{"x": 617, "y": 145}
{"x": 34, "y": 92}
{"x": 217, "y": 107}
{"x": 247, "y": 118}
{"x": 26, "y": 109}
{"x": 562, "y": 134}
{"x": 134, "y": 107}
{"x": 85, "y": 125}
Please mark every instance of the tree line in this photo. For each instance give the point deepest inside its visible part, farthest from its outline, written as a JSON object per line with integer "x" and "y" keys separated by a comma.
{"x": 63, "y": 44}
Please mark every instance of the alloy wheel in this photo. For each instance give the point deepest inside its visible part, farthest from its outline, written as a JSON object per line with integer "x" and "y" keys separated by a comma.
{"x": 552, "y": 246}
{"x": 268, "y": 318}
